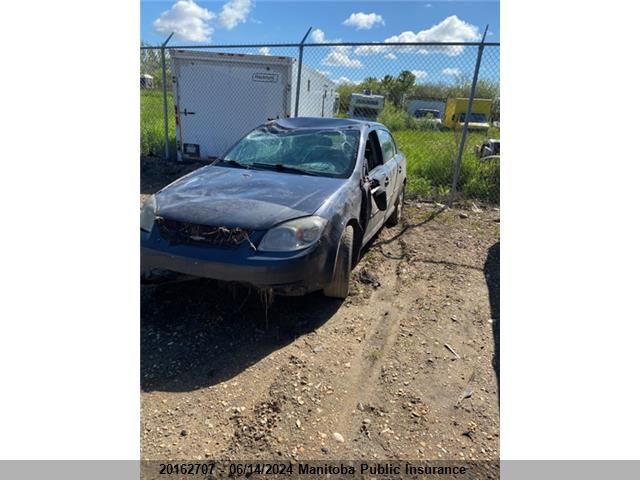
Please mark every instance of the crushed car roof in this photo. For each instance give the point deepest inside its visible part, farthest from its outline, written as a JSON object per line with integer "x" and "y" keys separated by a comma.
{"x": 315, "y": 123}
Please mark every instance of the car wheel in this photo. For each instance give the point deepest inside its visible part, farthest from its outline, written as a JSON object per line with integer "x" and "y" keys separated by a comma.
{"x": 339, "y": 286}
{"x": 396, "y": 216}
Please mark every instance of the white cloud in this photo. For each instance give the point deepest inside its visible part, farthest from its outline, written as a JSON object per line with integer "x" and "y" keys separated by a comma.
{"x": 188, "y": 20}
{"x": 341, "y": 48}
{"x": 452, "y": 72}
{"x": 420, "y": 74}
{"x": 428, "y": 5}
{"x": 363, "y": 21}
{"x": 264, "y": 51}
{"x": 326, "y": 73}
{"x": 345, "y": 81}
{"x": 390, "y": 56}
{"x": 451, "y": 29}
{"x": 317, "y": 36}
{"x": 234, "y": 12}
{"x": 337, "y": 58}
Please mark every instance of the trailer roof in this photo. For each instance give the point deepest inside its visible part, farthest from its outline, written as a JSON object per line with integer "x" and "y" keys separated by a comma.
{"x": 315, "y": 123}
{"x": 206, "y": 55}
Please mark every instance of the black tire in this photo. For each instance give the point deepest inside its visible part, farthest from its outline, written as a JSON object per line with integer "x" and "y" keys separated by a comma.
{"x": 339, "y": 286}
{"x": 396, "y": 216}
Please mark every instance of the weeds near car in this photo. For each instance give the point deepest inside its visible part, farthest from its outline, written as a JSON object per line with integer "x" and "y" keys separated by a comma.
{"x": 430, "y": 159}
{"x": 266, "y": 300}
{"x": 374, "y": 356}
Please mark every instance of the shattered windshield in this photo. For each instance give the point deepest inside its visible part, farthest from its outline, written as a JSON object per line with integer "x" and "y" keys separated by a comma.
{"x": 330, "y": 153}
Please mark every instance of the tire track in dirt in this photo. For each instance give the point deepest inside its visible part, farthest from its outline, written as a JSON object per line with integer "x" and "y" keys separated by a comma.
{"x": 381, "y": 335}
{"x": 291, "y": 397}
{"x": 279, "y": 405}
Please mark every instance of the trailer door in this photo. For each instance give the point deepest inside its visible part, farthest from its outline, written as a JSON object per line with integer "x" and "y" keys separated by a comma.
{"x": 219, "y": 102}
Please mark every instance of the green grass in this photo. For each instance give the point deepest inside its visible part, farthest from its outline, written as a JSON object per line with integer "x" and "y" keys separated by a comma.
{"x": 430, "y": 153}
{"x": 374, "y": 356}
{"x": 152, "y": 123}
{"x": 430, "y": 159}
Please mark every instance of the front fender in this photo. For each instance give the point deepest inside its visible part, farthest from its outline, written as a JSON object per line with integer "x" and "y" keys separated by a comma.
{"x": 343, "y": 208}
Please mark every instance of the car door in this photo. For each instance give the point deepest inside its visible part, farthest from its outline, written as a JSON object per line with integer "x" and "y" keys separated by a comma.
{"x": 377, "y": 172}
{"x": 389, "y": 157}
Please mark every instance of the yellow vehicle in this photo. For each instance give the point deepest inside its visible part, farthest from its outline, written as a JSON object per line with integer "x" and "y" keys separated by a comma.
{"x": 456, "y": 109}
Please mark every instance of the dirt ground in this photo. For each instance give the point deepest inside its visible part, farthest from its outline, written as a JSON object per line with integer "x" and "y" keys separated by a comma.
{"x": 405, "y": 368}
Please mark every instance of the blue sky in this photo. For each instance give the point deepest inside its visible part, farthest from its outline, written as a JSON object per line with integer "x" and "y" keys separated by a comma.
{"x": 273, "y": 21}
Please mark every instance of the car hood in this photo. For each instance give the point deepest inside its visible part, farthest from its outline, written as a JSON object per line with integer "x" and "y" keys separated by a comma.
{"x": 237, "y": 197}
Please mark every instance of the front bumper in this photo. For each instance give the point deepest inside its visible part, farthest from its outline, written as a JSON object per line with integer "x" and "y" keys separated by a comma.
{"x": 287, "y": 273}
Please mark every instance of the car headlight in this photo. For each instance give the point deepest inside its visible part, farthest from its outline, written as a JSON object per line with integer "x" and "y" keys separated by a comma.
{"x": 148, "y": 214}
{"x": 293, "y": 235}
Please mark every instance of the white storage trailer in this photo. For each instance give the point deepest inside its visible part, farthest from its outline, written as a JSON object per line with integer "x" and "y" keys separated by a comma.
{"x": 364, "y": 106}
{"x": 220, "y": 97}
{"x": 317, "y": 93}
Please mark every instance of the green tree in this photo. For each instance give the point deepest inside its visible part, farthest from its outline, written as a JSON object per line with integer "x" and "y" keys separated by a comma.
{"x": 397, "y": 89}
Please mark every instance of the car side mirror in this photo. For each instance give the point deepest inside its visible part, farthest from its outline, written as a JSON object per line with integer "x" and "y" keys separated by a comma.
{"x": 380, "y": 197}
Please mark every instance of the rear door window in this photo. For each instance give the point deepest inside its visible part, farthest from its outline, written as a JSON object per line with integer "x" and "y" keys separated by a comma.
{"x": 387, "y": 144}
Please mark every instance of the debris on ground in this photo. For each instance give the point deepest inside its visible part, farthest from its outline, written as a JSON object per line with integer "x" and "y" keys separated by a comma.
{"x": 450, "y": 348}
{"x": 468, "y": 391}
{"x": 366, "y": 277}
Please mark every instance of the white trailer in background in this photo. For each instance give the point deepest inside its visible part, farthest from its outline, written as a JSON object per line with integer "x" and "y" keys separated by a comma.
{"x": 220, "y": 97}
{"x": 364, "y": 106}
{"x": 336, "y": 104}
{"x": 317, "y": 93}
{"x": 146, "y": 81}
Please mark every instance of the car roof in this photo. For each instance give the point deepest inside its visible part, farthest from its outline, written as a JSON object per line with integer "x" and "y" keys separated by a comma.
{"x": 300, "y": 123}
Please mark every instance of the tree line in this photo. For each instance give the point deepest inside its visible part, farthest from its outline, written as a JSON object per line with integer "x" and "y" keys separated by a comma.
{"x": 399, "y": 90}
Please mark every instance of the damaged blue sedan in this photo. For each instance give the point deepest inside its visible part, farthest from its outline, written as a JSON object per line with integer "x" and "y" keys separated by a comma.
{"x": 288, "y": 208}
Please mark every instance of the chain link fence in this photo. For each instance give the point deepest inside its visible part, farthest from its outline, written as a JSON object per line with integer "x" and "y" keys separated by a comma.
{"x": 217, "y": 94}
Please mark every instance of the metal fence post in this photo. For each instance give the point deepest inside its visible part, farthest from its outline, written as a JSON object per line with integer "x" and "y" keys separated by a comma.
{"x": 465, "y": 128}
{"x": 301, "y": 47}
{"x": 164, "y": 98}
